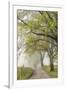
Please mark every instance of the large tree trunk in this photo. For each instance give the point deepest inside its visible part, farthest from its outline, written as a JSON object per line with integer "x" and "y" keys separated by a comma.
{"x": 42, "y": 57}
{"x": 41, "y": 62}
{"x": 50, "y": 53}
{"x": 52, "y": 67}
{"x": 51, "y": 64}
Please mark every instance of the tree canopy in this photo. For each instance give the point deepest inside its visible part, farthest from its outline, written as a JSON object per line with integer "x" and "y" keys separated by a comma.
{"x": 39, "y": 30}
{"x": 38, "y": 27}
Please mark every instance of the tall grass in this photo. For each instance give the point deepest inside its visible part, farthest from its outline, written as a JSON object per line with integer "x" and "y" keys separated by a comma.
{"x": 24, "y": 73}
{"x": 52, "y": 74}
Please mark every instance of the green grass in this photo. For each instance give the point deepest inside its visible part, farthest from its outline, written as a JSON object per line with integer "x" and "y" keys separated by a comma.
{"x": 24, "y": 73}
{"x": 52, "y": 74}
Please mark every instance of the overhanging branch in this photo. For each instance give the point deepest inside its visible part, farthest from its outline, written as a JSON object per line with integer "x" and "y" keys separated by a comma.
{"x": 40, "y": 34}
{"x": 22, "y": 21}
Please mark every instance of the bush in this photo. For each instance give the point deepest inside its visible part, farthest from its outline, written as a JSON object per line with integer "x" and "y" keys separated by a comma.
{"x": 24, "y": 73}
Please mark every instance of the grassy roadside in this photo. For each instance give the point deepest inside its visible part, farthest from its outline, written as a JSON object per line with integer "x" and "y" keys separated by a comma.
{"x": 24, "y": 73}
{"x": 53, "y": 74}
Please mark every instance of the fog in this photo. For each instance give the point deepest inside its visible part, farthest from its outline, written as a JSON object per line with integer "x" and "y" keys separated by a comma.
{"x": 32, "y": 61}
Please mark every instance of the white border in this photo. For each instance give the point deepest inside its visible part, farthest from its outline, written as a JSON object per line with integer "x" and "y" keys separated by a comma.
{"x": 13, "y": 46}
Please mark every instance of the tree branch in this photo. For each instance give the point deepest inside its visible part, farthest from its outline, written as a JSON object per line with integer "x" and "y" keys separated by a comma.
{"x": 49, "y": 16}
{"x": 47, "y": 41}
{"x": 42, "y": 34}
{"x": 41, "y": 12}
{"x": 22, "y": 21}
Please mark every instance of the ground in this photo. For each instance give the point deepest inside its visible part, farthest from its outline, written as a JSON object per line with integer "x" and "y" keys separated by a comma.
{"x": 52, "y": 74}
{"x": 39, "y": 74}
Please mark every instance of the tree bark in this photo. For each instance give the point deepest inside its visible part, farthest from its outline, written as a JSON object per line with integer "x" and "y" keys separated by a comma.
{"x": 42, "y": 57}
{"x": 51, "y": 67}
{"x": 42, "y": 63}
{"x": 51, "y": 64}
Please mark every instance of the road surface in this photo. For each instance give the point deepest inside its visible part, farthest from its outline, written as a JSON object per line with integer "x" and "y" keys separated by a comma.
{"x": 39, "y": 74}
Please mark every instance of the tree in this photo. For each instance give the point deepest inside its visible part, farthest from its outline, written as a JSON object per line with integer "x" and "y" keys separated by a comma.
{"x": 52, "y": 53}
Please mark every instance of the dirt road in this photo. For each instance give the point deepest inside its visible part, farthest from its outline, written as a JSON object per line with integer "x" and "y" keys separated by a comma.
{"x": 39, "y": 74}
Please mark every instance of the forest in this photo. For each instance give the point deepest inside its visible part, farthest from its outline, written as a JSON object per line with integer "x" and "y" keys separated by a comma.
{"x": 37, "y": 32}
